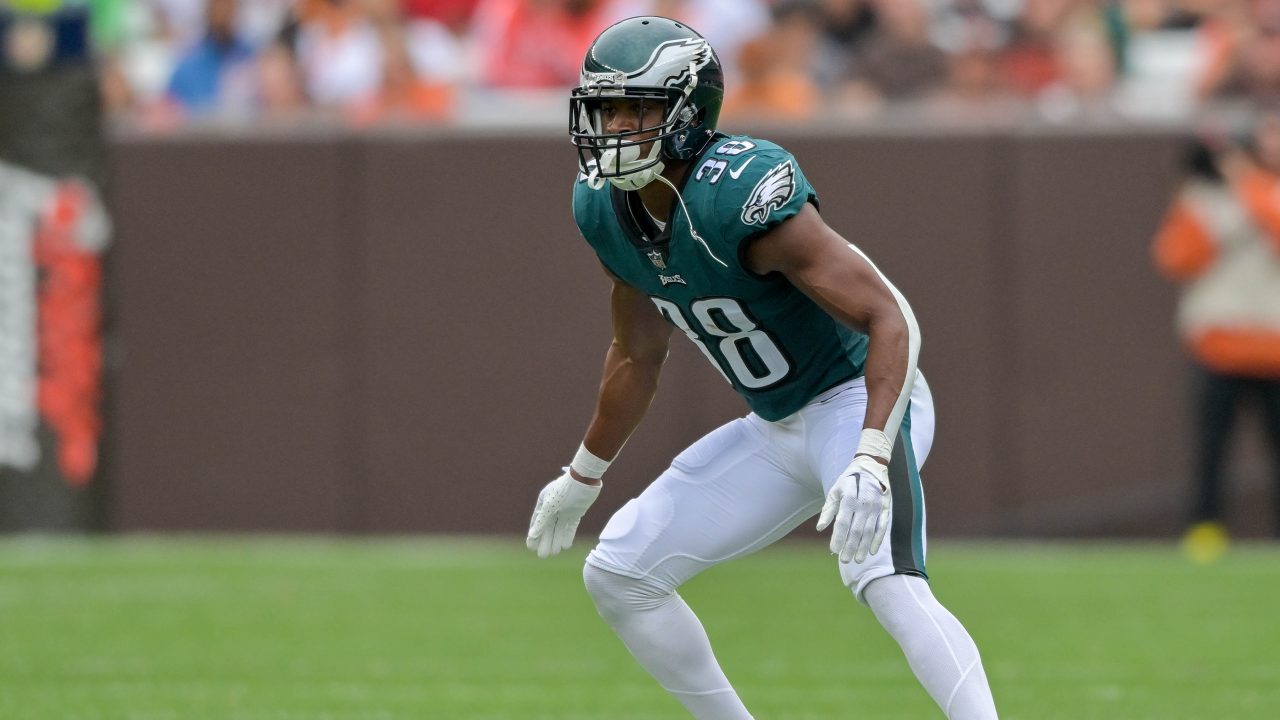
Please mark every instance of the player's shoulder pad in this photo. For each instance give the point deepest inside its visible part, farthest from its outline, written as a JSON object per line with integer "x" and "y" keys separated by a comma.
{"x": 759, "y": 185}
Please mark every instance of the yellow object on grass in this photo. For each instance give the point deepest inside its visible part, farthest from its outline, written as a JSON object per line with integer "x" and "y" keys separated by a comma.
{"x": 1206, "y": 541}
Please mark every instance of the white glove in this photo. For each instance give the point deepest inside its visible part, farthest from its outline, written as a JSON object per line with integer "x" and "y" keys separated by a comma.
{"x": 859, "y": 502}
{"x": 561, "y": 505}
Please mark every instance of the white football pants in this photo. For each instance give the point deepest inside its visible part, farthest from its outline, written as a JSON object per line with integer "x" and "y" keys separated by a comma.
{"x": 742, "y": 487}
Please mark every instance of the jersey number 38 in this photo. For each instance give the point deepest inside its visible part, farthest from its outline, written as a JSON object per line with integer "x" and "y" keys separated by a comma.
{"x": 749, "y": 351}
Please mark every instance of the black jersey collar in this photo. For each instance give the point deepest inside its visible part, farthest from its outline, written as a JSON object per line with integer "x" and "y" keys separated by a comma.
{"x": 637, "y": 224}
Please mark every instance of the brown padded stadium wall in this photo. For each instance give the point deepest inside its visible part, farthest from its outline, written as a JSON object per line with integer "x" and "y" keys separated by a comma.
{"x": 403, "y": 332}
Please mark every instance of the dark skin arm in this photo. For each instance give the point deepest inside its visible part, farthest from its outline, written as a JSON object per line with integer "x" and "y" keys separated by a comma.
{"x": 823, "y": 266}
{"x": 632, "y": 367}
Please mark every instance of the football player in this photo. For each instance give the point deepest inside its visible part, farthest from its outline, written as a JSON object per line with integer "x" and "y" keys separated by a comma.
{"x": 720, "y": 237}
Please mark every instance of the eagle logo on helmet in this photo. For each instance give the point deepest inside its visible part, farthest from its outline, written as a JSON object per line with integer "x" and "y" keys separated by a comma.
{"x": 672, "y": 61}
{"x": 668, "y": 64}
{"x": 773, "y": 191}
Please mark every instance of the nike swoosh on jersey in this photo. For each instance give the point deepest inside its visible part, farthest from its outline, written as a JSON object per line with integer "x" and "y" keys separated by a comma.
{"x": 735, "y": 173}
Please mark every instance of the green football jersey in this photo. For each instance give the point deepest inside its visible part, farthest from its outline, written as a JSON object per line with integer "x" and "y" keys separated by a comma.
{"x": 776, "y": 347}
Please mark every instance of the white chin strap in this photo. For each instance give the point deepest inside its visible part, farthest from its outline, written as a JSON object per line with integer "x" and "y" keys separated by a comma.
{"x": 615, "y": 162}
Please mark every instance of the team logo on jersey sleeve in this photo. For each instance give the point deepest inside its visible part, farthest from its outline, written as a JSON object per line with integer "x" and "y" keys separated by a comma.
{"x": 773, "y": 191}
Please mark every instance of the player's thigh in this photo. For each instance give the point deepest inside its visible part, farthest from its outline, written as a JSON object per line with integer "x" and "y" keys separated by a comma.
{"x": 835, "y": 430}
{"x": 727, "y": 495}
{"x": 923, "y": 420}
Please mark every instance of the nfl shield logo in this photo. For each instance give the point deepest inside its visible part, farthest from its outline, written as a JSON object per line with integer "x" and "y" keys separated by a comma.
{"x": 656, "y": 258}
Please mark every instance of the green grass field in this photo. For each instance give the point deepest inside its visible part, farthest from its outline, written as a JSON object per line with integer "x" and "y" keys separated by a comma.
{"x": 451, "y": 628}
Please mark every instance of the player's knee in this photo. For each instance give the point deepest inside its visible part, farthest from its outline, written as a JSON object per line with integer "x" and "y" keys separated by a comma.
{"x": 618, "y": 595}
{"x": 894, "y": 604}
{"x": 903, "y": 603}
{"x": 607, "y": 590}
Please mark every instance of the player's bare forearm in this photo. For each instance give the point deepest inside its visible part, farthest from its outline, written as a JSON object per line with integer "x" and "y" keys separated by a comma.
{"x": 626, "y": 392}
{"x": 825, "y": 267}
{"x": 632, "y": 368}
{"x": 886, "y": 367}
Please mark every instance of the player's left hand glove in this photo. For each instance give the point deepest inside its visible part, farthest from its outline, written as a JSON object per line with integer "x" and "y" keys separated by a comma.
{"x": 561, "y": 504}
{"x": 860, "y": 502}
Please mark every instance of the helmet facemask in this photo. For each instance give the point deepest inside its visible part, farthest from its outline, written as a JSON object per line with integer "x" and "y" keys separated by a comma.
{"x": 616, "y": 157}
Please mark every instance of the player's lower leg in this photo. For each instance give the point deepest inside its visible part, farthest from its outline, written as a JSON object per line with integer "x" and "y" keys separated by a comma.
{"x": 938, "y": 648}
{"x": 667, "y": 639}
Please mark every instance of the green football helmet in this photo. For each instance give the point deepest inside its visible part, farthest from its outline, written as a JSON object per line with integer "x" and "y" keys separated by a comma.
{"x": 652, "y": 59}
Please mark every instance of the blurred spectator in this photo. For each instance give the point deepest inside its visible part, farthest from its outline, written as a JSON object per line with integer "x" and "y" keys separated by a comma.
{"x": 1165, "y": 52}
{"x": 280, "y": 91}
{"x": 726, "y": 24}
{"x": 419, "y": 63}
{"x": 973, "y": 33}
{"x": 258, "y": 22}
{"x": 846, "y": 26}
{"x": 182, "y": 21}
{"x": 959, "y": 26}
{"x": 777, "y": 69}
{"x": 1086, "y": 63}
{"x": 1085, "y": 56}
{"x": 217, "y": 73}
{"x": 784, "y": 59}
{"x": 847, "y": 23}
{"x": 1221, "y": 241}
{"x": 453, "y": 14}
{"x": 1031, "y": 60}
{"x": 1224, "y": 26}
{"x": 1254, "y": 68}
{"x": 138, "y": 73}
{"x": 898, "y": 62}
{"x": 536, "y": 43}
{"x": 435, "y": 52}
{"x": 339, "y": 52}
{"x": 974, "y": 76}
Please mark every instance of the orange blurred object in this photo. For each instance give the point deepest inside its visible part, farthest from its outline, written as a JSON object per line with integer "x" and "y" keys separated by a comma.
{"x": 70, "y": 347}
{"x": 771, "y": 89}
{"x": 1247, "y": 353}
{"x": 1184, "y": 247}
{"x": 418, "y": 102}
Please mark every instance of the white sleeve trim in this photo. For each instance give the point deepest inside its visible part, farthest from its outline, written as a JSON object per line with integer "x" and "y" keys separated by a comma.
{"x": 913, "y": 351}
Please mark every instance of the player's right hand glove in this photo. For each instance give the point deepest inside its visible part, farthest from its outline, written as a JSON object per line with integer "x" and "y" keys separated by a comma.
{"x": 859, "y": 502}
{"x": 561, "y": 504}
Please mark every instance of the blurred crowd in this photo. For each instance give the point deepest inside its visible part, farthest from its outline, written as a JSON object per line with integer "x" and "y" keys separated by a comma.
{"x": 421, "y": 60}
